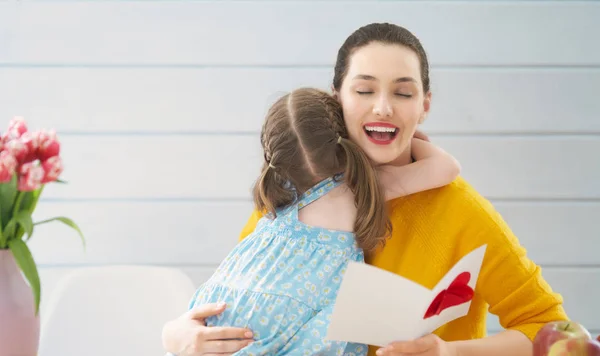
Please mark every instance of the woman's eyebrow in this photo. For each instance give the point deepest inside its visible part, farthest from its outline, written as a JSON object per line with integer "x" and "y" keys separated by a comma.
{"x": 397, "y": 80}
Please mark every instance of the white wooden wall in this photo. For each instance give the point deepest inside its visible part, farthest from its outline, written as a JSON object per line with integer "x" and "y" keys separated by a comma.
{"x": 159, "y": 104}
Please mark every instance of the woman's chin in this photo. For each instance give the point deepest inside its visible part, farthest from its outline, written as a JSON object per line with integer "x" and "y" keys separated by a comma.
{"x": 391, "y": 154}
{"x": 381, "y": 157}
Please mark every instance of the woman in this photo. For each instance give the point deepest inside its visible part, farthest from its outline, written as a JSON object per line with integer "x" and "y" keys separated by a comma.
{"x": 382, "y": 78}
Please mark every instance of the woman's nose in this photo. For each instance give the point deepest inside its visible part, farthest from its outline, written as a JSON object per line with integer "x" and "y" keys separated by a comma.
{"x": 382, "y": 107}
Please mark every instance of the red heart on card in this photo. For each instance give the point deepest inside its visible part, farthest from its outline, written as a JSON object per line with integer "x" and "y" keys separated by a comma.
{"x": 457, "y": 293}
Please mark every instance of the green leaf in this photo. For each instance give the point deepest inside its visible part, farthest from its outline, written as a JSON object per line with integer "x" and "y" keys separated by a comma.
{"x": 17, "y": 204}
{"x": 28, "y": 204}
{"x": 66, "y": 221}
{"x": 23, "y": 219}
{"x": 36, "y": 197}
{"x": 27, "y": 264}
{"x": 29, "y": 199}
{"x": 8, "y": 194}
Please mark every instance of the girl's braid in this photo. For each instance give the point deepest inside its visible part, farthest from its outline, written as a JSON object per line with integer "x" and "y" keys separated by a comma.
{"x": 334, "y": 112}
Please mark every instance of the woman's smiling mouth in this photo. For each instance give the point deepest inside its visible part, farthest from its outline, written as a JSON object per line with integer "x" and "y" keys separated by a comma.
{"x": 381, "y": 133}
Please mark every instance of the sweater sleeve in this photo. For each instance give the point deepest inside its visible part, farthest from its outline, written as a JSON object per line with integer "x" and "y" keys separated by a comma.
{"x": 511, "y": 283}
{"x": 250, "y": 224}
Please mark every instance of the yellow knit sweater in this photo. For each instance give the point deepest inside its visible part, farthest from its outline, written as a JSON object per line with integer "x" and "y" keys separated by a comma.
{"x": 433, "y": 230}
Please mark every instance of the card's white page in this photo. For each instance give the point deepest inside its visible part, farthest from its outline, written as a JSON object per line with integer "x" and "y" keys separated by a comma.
{"x": 470, "y": 263}
{"x": 377, "y": 307}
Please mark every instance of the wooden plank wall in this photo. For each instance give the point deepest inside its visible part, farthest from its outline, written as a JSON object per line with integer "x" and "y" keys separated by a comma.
{"x": 159, "y": 105}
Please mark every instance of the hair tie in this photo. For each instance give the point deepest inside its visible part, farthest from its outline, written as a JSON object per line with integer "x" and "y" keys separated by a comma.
{"x": 339, "y": 139}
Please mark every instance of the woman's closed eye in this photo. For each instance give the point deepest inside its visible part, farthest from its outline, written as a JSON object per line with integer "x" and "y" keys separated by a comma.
{"x": 368, "y": 92}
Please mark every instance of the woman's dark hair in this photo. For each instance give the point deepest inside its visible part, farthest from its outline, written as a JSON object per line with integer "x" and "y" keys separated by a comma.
{"x": 384, "y": 33}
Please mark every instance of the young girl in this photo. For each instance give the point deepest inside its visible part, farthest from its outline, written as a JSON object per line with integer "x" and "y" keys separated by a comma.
{"x": 325, "y": 207}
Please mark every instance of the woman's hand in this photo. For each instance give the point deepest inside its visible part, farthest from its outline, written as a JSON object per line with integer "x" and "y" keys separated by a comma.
{"x": 188, "y": 335}
{"x": 430, "y": 345}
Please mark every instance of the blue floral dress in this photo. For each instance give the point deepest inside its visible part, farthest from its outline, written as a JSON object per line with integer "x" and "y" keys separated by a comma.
{"x": 281, "y": 282}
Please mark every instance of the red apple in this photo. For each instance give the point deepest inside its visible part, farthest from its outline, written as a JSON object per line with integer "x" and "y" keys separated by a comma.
{"x": 575, "y": 347}
{"x": 556, "y": 331}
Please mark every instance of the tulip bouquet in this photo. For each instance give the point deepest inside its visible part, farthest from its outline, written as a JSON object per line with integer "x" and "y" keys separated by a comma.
{"x": 28, "y": 161}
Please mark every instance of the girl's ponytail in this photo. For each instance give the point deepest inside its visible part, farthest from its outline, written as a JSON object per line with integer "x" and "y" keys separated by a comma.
{"x": 372, "y": 224}
{"x": 270, "y": 191}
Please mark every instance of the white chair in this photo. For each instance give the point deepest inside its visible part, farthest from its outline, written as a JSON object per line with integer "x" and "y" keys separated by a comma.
{"x": 114, "y": 310}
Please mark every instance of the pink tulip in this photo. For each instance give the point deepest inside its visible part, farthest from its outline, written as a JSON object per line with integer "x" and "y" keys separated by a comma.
{"x": 6, "y": 136}
{"x": 31, "y": 140}
{"x": 31, "y": 175}
{"x": 53, "y": 167}
{"x": 16, "y": 128}
{"x": 18, "y": 149}
{"x": 48, "y": 145}
{"x": 8, "y": 165}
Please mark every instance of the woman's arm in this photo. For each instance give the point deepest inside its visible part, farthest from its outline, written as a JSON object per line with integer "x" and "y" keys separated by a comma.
{"x": 509, "y": 282}
{"x": 433, "y": 168}
{"x": 509, "y": 342}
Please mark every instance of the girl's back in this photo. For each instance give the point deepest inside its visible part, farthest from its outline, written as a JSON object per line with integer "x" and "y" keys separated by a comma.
{"x": 335, "y": 210}
{"x": 281, "y": 281}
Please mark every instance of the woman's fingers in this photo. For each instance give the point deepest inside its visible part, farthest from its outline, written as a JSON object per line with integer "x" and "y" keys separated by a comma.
{"x": 206, "y": 310}
{"x": 215, "y": 340}
{"x": 222, "y": 333}
{"x": 223, "y": 346}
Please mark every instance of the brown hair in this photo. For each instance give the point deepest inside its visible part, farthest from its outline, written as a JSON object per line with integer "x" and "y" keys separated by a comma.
{"x": 379, "y": 32}
{"x": 300, "y": 142}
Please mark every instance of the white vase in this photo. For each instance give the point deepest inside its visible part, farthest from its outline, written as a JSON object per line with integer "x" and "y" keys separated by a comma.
{"x": 19, "y": 326}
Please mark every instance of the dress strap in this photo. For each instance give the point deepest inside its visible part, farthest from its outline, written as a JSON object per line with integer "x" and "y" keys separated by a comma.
{"x": 320, "y": 189}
